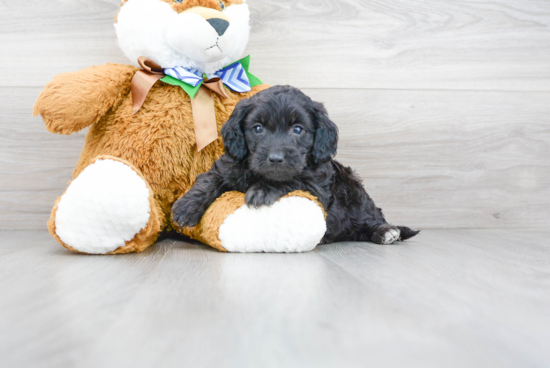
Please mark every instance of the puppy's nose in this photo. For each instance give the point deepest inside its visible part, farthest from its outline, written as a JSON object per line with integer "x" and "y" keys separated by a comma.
{"x": 276, "y": 158}
{"x": 220, "y": 25}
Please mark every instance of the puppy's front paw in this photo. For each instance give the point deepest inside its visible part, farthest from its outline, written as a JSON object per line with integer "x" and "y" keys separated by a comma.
{"x": 386, "y": 234}
{"x": 257, "y": 196}
{"x": 186, "y": 213}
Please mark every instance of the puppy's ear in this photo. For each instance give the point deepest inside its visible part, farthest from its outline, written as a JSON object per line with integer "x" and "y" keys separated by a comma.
{"x": 232, "y": 132}
{"x": 326, "y": 135}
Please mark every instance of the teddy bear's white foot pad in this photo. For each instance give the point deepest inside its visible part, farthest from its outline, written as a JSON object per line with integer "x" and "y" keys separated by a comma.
{"x": 293, "y": 224}
{"x": 105, "y": 206}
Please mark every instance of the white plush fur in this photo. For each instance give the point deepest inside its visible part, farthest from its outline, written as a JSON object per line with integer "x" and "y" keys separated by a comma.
{"x": 292, "y": 224}
{"x": 105, "y": 206}
{"x": 151, "y": 28}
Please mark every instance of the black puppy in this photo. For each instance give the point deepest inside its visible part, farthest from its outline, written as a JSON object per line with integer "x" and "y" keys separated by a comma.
{"x": 279, "y": 141}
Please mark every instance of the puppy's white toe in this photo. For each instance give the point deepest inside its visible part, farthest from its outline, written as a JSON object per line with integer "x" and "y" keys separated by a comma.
{"x": 105, "y": 206}
{"x": 391, "y": 236}
{"x": 292, "y": 224}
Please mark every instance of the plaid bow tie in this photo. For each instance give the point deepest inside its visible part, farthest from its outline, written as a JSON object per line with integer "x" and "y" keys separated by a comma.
{"x": 233, "y": 76}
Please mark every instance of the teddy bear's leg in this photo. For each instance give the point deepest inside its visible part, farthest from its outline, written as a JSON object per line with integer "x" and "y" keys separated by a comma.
{"x": 295, "y": 223}
{"x": 108, "y": 209}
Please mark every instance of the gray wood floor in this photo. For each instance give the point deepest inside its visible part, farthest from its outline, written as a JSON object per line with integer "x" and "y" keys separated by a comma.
{"x": 449, "y": 298}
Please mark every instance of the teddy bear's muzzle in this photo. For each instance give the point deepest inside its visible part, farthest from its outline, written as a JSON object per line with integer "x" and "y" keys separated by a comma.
{"x": 218, "y": 20}
{"x": 215, "y": 42}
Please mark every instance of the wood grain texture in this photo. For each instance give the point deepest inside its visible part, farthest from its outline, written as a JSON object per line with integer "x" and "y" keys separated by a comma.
{"x": 404, "y": 44}
{"x": 448, "y": 298}
{"x": 430, "y": 159}
{"x": 389, "y": 44}
{"x": 449, "y": 159}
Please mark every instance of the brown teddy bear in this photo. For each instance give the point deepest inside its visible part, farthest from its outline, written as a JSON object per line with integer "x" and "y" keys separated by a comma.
{"x": 154, "y": 129}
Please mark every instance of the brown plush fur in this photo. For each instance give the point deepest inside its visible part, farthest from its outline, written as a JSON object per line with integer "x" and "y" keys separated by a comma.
{"x": 158, "y": 142}
{"x": 73, "y": 101}
{"x": 213, "y": 4}
{"x": 186, "y": 4}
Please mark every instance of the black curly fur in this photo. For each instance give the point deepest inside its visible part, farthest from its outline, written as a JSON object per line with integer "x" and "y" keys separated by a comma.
{"x": 277, "y": 159}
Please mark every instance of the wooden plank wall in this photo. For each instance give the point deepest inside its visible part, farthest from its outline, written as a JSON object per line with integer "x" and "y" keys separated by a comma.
{"x": 443, "y": 106}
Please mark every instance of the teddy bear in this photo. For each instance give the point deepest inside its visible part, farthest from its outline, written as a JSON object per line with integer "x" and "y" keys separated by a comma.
{"x": 154, "y": 127}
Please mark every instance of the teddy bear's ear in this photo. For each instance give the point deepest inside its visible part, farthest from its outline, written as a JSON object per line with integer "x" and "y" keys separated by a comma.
{"x": 232, "y": 131}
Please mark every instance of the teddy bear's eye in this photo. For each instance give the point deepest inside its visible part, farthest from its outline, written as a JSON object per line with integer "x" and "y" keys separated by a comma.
{"x": 222, "y": 5}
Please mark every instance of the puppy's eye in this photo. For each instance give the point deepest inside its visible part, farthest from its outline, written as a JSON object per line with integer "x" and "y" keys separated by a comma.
{"x": 298, "y": 129}
{"x": 222, "y": 5}
{"x": 258, "y": 129}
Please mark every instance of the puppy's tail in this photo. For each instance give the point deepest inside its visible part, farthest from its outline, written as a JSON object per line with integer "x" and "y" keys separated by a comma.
{"x": 407, "y": 233}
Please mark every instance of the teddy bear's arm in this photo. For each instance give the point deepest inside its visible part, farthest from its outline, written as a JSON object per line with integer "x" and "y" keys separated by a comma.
{"x": 295, "y": 223}
{"x": 73, "y": 101}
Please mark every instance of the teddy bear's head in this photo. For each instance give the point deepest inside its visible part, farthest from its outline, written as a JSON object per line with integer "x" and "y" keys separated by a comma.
{"x": 202, "y": 34}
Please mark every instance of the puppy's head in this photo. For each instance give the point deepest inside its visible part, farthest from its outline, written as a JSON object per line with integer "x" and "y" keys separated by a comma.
{"x": 279, "y": 132}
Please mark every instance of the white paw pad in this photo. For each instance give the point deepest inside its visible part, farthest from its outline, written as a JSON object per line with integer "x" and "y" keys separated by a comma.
{"x": 391, "y": 236}
{"x": 105, "y": 206}
{"x": 293, "y": 224}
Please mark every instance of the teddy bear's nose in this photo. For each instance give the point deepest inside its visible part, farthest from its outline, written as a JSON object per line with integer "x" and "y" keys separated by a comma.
{"x": 220, "y": 25}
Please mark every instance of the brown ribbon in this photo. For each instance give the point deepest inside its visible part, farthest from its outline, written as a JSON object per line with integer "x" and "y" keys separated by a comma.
{"x": 144, "y": 80}
{"x": 204, "y": 111}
